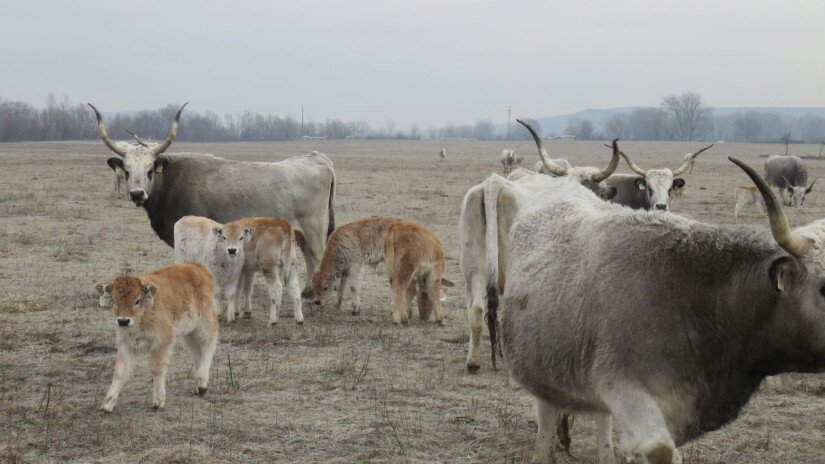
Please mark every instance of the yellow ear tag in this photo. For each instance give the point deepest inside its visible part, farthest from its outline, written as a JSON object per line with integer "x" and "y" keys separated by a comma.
{"x": 118, "y": 171}
{"x": 159, "y": 169}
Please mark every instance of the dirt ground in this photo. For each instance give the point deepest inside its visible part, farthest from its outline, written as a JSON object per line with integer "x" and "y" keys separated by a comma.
{"x": 340, "y": 388}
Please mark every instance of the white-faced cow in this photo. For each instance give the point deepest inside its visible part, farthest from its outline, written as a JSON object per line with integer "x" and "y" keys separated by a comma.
{"x": 508, "y": 160}
{"x": 300, "y": 189}
{"x": 487, "y": 214}
{"x": 442, "y": 155}
{"x": 652, "y": 188}
{"x": 790, "y": 175}
{"x": 665, "y": 324}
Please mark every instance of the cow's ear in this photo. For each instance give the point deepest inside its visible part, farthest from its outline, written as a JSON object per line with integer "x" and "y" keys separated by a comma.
{"x": 641, "y": 184}
{"x": 116, "y": 164}
{"x": 678, "y": 183}
{"x": 218, "y": 231}
{"x": 247, "y": 232}
{"x": 102, "y": 287}
{"x": 785, "y": 271}
{"x": 160, "y": 164}
{"x": 103, "y": 291}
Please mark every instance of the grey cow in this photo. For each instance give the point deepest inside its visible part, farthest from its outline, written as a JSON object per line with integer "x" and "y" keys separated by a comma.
{"x": 651, "y": 188}
{"x": 664, "y": 324}
{"x": 790, "y": 175}
{"x": 300, "y": 190}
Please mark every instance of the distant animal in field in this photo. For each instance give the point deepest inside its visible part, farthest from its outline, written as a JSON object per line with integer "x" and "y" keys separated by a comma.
{"x": 218, "y": 247}
{"x": 152, "y": 311}
{"x": 415, "y": 264}
{"x": 442, "y": 155}
{"x": 789, "y": 174}
{"x": 665, "y": 324}
{"x": 747, "y": 195}
{"x": 349, "y": 250}
{"x": 651, "y": 188}
{"x": 508, "y": 160}
{"x": 270, "y": 251}
{"x": 300, "y": 190}
{"x": 519, "y": 161}
{"x": 560, "y": 162}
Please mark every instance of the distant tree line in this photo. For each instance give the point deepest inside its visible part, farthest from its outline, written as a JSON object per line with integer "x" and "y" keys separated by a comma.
{"x": 686, "y": 117}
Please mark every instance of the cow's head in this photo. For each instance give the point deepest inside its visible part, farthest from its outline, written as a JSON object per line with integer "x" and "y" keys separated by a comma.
{"x": 661, "y": 185}
{"x": 797, "y": 282}
{"x": 797, "y": 194}
{"x": 592, "y": 178}
{"x": 323, "y": 283}
{"x": 141, "y": 164}
{"x": 131, "y": 299}
{"x": 231, "y": 238}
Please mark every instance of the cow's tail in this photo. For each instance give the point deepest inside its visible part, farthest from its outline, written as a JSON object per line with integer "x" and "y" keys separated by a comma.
{"x": 331, "y": 223}
{"x": 491, "y": 193}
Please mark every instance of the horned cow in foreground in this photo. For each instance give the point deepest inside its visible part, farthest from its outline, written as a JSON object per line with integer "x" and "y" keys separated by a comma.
{"x": 349, "y": 250}
{"x": 151, "y": 311}
{"x": 748, "y": 195}
{"x": 271, "y": 251}
{"x": 218, "y": 247}
{"x": 652, "y": 188}
{"x": 679, "y": 324}
{"x": 300, "y": 190}
{"x": 415, "y": 263}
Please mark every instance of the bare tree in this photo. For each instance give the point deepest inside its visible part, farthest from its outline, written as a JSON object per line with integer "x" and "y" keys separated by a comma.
{"x": 617, "y": 126}
{"x": 689, "y": 113}
{"x": 786, "y": 139}
{"x": 582, "y": 129}
{"x": 484, "y": 129}
{"x": 649, "y": 124}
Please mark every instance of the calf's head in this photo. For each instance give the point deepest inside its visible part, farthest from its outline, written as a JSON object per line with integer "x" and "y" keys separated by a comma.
{"x": 231, "y": 238}
{"x": 130, "y": 296}
{"x": 141, "y": 164}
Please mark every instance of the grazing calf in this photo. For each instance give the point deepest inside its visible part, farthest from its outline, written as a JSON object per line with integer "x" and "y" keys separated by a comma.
{"x": 154, "y": 309}
{"x": 442, "y": 155}
{"x": 271, "y": 251}
{"x": 415, "y": 264}
{"x": 749, "y": 195}
{"x": 349, "y": 249}
{"x": 218, "y": 247}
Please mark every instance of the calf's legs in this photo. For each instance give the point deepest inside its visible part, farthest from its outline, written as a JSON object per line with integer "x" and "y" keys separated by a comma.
{"x": 123, "y": 368}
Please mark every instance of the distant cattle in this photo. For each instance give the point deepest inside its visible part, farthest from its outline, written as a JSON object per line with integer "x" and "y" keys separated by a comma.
{"x": 789, "y": 174}
{"x": 666, "y": 324}
{"x": 218, "y": 247}
{"x": 270, "y": 251}
{"x": 747, "y": 195}
{"x": 519, "y": 161}
{"x": 151, "y": 312}
{"x": 442, "y": 155}
{"x": 415, "y": 264}
{"x": 652, "y": 188}
{"x": 300, "y": 189}
{"x": 508, "y": 160}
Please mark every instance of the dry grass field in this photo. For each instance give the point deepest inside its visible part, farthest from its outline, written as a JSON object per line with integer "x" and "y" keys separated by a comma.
{"x": 340, "y": 388}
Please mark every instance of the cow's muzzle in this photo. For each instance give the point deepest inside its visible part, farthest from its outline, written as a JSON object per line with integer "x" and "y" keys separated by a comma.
{"x": 232, "y": 251}
{"x": 138, "y": 196}
{"x": 124, "y": 321}
{"x": 660, "y": 206}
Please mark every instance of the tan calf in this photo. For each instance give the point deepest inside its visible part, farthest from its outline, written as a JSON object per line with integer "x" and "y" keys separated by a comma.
{"x": 748, "y": 195}
{"x": 349, "y": 249}
{"x": 151, "y": 312}
{"x": 415, "y": 263}
{"x": 271, "y": 251}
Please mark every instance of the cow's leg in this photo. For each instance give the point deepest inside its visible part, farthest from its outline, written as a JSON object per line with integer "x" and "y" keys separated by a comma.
{"x": 208, "y": 344}
{"x": 738, "y": 208}
{"x": 546, "y": 419}
{"x": 124, "y": 363}
{"x": 760, "y": 205}
{"x": 158, "y": 366}
{"x": 243, "y": 295}
{"x": 434, "y": 294}
{"x": 229, "y": 291}
{"x": 604, "y": 439}
{"x": 343, "y": 282}
{"x": 400, "y": 302}
{"x": 312, "y": 249}
{"x": 475, "y": 315}
{"x": 645, "y": 429}
{"x": 354, "y": 283}
{"x": 412, "y": 291}
{"x": 293, "y": 289}
{"x": 276, "y": 289}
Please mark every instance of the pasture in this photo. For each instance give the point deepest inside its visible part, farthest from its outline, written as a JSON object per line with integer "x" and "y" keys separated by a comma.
{"x": 340, "y": 388}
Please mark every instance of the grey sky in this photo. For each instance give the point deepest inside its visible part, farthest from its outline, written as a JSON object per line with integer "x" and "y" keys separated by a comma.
{"x": 412, "y": 61}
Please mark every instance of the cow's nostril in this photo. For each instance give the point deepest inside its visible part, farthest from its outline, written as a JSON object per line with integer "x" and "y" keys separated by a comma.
{"x": 232, "y": 251}
{"x": 123, "y": 322}
{"x": 661, "y": 206}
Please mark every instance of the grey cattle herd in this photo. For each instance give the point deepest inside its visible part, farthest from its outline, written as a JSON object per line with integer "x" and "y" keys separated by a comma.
{"x": 598, "y": 300}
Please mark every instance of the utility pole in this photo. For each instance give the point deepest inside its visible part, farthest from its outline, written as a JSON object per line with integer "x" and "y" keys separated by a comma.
{"x": 508, "y": 120}
{"x": 302, "y": 124}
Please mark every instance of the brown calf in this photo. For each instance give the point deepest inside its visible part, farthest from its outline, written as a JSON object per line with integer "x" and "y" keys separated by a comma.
{"x": 151, "y": 311}
{"x": 271, "y": 250}
{"x": 415, "y": 263}
{"x": 349, "y": 249}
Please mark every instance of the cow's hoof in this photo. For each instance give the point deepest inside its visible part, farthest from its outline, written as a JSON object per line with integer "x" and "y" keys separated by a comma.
{"x": 473, "y": 368}
{"x": 201, "y": 391}
{"x": 247, "y": 315}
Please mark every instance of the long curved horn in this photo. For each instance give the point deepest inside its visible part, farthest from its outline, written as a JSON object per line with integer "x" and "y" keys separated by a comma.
{"x": 611, "y": 167}
{"x": 137, "y": 139}
{"x": 689, "y": 161}
{"x": 173, "y": 132}
{"x": 101, "y": 129}
{"x": 787, "y": 239}
{"x": 630, "y": 163}
{"x": 811, "y": 187}
{"x": 545, "y": 158}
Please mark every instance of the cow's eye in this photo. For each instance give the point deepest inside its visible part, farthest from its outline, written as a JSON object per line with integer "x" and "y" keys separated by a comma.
{"x": 149, "y": 174}
{"x": 126, "y": 175}
{"x": 137, "y": 302}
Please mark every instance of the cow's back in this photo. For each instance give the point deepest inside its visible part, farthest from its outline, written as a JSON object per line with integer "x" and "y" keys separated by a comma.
{"x": 182, "y": 288}
{"x": 779, "y": 167}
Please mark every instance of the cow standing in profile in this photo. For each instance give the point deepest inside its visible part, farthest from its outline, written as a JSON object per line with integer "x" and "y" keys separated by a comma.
{"x": 664, "y": 324}
{"x": 151, "y": 312}
{"x": 300, "y": 190}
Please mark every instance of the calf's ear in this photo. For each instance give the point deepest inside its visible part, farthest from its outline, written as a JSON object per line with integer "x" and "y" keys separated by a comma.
{"x": 785, "y": 272}
{"x": 116, "y": 164}
{"x": 218, "y": 231}
{"x": 678, "y": 183}
{"x": 248, "y": 231}
{"x": 102, "y": 287}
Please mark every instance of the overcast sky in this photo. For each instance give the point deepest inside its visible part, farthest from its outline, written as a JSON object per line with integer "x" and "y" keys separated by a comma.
{"x": 412, "y": 61}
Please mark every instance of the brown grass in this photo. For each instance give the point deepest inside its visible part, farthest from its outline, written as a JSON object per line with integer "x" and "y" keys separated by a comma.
{"x": 341, "y": 388}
